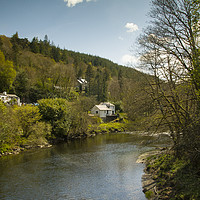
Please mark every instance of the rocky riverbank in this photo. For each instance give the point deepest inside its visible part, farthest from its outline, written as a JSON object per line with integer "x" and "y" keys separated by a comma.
{"x": 168, "y": 177}
{"x": 149, "y": 184}
{"x": 101, "y": 129}
{"x": 17, "y": 150}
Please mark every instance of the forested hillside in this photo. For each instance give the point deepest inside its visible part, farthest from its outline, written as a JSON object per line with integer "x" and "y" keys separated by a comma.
{"x": 38, "y": 69}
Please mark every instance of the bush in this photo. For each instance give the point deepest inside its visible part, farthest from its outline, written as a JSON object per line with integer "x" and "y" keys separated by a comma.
{"x": 9, "y": 129}
{"x": 57, "y": 113}
{"x": 27, "y": 117}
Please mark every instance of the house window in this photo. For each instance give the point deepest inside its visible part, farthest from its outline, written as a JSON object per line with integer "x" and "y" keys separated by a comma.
{"x": 97, "y": 112}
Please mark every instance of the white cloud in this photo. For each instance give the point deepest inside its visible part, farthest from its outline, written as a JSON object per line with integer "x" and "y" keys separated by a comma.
{"x": 120, "y": 38}
{"x": 129, "y": 60}
{"x": 131, "y": 27}
{"x": 72, "y": 3}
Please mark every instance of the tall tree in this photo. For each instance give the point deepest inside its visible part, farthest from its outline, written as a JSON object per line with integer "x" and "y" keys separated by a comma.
{"x": 7, "y": 73}
{"x": 55, "y": 53}
{"x": 34, "y": 45}
{"x": 21, "y": 85}
{"x": 171, "y": 49}
{"x": 1, "y": 43}
{"x": 106, "y": 78}
{"x": 15, "y": 47}
{"x": 89, "y": 76}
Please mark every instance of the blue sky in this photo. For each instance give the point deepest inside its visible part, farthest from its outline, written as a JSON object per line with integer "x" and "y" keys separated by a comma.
{"x": 106, "y": 28}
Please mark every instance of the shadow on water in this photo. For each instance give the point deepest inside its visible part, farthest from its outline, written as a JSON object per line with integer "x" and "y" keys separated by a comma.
{"x": 103, "y": 167}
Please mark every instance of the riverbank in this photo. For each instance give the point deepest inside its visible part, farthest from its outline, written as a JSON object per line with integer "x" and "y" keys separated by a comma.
{"x": 18, "y": 149}
{"x": 92, "y": 132}
{"x": 149, "y": 184}
{"x": 166, "y": 177}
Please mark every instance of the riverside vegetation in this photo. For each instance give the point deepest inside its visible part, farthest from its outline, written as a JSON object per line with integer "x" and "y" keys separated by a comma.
{"x": 53, "y": 120}
{"x": 170, "y": 49}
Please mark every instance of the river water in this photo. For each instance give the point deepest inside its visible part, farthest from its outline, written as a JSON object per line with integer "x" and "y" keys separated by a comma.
{"x": 99, "y": 168}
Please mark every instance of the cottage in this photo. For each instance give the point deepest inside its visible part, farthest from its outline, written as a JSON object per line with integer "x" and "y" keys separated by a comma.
{"x": 109, "y": 105}
{"x": 103, "y": 110}
{"x": 10, "y": 98}
{"x": 82, "y": 84}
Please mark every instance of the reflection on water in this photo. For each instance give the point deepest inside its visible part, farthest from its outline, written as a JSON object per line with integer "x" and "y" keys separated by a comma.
{"x": 99, "y": 168}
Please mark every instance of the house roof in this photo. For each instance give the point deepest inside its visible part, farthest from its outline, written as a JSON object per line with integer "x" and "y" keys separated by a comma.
{"x": 102, "y": 107}
{"x": 82, "y": 81}
{"x": 8, "y": 95}
{"x": 106, "y": 103}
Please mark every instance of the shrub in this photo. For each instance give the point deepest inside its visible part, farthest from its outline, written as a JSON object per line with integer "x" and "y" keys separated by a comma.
{"x": 57, "y": 113}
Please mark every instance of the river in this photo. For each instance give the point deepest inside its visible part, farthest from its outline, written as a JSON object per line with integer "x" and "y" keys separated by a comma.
{"x": 99, "y": 168}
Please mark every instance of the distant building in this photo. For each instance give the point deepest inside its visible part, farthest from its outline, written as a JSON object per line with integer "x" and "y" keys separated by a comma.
{"x": 10, "y": 98}
{"x": 110, "y": 106}
{"x": 103, "y": 110}
{"x": 82, "y": 84}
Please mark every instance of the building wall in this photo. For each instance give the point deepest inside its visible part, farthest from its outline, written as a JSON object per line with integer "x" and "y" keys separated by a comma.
{"x": 7, "y": 99}
{"x": 101, "y": 113}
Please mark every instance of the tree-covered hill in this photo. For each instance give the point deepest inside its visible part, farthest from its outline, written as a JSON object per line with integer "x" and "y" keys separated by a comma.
{"x": 38, "y": 69}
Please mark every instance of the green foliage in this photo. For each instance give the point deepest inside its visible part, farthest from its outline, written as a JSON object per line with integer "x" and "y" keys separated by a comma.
{"x": 149, "y": 194}
{"x": 27, "y": 116}
{"x": 21, "y": 85}
{"x": 9, "y": 129}
{"x": 111, "y": 127}
{"x": 79, "y": 122}
{"x": 34, "y": 45}
{"x": 177, "y": 173}
{"x": 57, "y": 113}
{"x": 85, "y": 104}
{"x": 7, "y": 73}
{"x": 21, "y": 126}
{"x": 46, "y": 71}
{"x": 40, "y": 132}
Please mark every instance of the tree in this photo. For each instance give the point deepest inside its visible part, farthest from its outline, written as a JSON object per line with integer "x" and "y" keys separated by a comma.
{"x": 106, "y": 78}
{"x": 47, "y": 47}
{"x": 21, "y": 85}
{"x": 1, "y": 43}
{"x": 64, "y": 57}
{"x": 27, "y": 116}
{"x": 34, "y": 45}
{"x": 46, "y": 39}
{"x": 171, "y": 50}
{"x": 55, "y": 53}
{"x": 114, "y": 90}
{"x": 89, "y": 76}
{"x": 57, "y": 113}
{"x": 15, "y": 47}
{"x": 7, "y": 73}
{"x": 9, "y": 130}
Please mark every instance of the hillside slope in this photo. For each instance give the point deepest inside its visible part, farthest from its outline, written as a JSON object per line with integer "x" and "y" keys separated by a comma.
{"x": 46, "y": 71}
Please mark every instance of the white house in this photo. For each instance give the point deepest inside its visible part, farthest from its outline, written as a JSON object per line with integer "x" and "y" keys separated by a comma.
{"x": 82, "y": 84}
{"x": 103, "y": 110}
{"x": 109, "y": 105}
{"x": 10, "y": 98}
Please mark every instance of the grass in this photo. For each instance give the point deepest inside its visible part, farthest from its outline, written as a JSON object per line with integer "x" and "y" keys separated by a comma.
{"x": 111, "y": 127}
{"x": 107, "y": 127}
